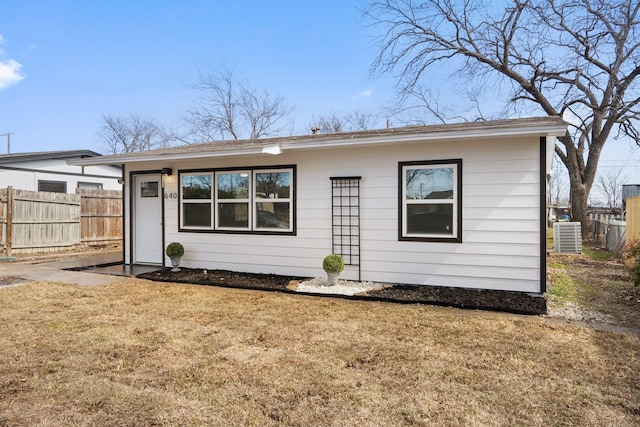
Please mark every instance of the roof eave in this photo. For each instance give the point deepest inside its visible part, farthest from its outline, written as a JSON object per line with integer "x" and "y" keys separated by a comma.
{"x": 547, "y": 130}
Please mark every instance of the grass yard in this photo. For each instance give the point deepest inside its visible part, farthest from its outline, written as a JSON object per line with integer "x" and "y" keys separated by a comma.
{"x": 143, "y": 353}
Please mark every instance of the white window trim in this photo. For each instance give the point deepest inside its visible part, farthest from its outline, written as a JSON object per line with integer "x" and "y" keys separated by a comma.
{"x": 252, "y": 201}
{"x": 454, "y": 201}
{"x": 246, "y": 201}
{"x": 184, "y": 201}
{"x": 288, "y": 200}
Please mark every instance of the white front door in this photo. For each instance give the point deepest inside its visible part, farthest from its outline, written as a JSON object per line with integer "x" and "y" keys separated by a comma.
{"x": 147, "y": 224}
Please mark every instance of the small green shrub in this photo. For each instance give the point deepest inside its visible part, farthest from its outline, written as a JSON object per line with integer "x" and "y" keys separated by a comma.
{"x": 333, "y": 263}
{"x": 632, "y": 256}
{"x": 174, "y": 249}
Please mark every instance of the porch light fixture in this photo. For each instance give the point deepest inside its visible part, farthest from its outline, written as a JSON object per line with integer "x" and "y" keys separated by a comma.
{"x": 167, "y": 171}
{"x": 272, "y": 149}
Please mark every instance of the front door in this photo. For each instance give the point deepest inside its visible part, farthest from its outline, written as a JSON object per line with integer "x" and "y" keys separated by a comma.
{"x": 147, "y": 223}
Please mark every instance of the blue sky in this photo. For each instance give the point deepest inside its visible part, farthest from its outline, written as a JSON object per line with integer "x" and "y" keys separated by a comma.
{"x": 65, "y": 64}
{"x": 82, "y": 60}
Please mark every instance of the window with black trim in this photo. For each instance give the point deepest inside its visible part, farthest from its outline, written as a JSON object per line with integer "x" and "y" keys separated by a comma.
{"x": 196, "y": 194}
{"x": 243, "y": 200}
{"x": 52, "y": 186}
{"x": 431, "y": 200}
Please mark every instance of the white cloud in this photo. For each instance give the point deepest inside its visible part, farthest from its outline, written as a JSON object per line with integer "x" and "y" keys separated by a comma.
{"x": 10, "y": 73}
{"x": 366, "y": 93}
{"x": 9, "y": 69}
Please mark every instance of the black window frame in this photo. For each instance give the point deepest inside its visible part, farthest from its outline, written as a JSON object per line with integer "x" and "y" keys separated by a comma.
{"x": 457, "y": 211}
{"x": 254, "y": 230}
{"x": 46, "y": 182}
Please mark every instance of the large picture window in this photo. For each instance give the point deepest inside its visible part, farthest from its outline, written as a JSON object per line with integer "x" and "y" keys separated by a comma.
{"x": 430, "y": 200}
{"x": 242, "y": 200}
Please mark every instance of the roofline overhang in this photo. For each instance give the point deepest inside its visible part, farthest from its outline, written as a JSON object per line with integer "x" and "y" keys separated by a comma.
{"x": 263, "y": 147}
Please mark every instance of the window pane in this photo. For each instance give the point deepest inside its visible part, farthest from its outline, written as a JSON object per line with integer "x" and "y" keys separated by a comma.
{"x": 234, "y": 215}
{"x": 149, "y": 189}
{"x": 196, "y": 214}
{"x": 273, "y": 185}
{"x": 233, "y": 185}
{"x": 273, "y": 215}
{"x": 52, "y": 186}
{"x": 196, "y": 186}
{"x": 429, "y": 183}
{"x": 430, "y": 219}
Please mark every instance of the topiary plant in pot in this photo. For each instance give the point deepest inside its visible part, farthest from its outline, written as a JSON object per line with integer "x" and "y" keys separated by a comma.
{"x": 333, "y": 264}
{"x": 175, "y": 251}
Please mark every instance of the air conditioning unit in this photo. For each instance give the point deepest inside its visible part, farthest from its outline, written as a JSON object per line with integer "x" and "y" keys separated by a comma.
{"x": 567, "y": 237}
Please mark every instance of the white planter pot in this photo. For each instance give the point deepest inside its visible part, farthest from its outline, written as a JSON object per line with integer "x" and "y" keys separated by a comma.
{"x": 175, "y": 262}
{"x": 332, "y": 278}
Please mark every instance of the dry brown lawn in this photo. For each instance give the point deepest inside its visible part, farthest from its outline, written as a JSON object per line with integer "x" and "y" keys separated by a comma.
{"x": 139, "y": 353}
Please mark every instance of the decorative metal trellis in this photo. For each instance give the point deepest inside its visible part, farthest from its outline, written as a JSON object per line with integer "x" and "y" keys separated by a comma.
{"x": 345, "y": 214}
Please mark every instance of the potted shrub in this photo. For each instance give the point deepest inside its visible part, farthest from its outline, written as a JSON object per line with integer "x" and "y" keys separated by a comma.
{"x": 333, "y": 265}
{"x": 175, "y": 251}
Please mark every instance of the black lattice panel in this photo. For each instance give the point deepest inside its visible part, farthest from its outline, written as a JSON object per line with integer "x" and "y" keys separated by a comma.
{"x": 345, "y": 212}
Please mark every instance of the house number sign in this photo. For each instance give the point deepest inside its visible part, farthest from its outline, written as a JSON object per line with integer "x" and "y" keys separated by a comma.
{"x": 173, "y": 195}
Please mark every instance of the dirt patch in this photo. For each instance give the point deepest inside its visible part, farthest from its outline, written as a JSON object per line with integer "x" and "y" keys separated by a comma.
{"x": 516, "y": 302}
{"x": 6, "y": 281}
{"x": 593, "y": 291}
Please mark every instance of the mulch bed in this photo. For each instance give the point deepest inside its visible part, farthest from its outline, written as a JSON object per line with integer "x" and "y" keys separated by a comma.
{"x": 515, "y": 302}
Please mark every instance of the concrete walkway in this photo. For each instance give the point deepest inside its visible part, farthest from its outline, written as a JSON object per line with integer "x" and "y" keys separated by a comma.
{"x": 55, "y": 269}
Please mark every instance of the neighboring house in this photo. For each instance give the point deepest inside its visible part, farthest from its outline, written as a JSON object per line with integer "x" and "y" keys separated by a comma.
{"x": 460, "y": 205}
{"x": 50, "y": 171}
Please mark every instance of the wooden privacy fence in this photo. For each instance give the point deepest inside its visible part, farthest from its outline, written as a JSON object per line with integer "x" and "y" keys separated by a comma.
{"x": 36, "y": 222}
{"x": 101, "y": 214}
{"x": 633, "y": 218}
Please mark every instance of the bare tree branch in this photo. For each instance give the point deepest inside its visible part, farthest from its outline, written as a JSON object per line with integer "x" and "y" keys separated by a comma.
{"x": 575, "y": 58}
{"x": 335, "y": 123}
{"x": 231, "y": 109}
{"x": 126, "y": 134}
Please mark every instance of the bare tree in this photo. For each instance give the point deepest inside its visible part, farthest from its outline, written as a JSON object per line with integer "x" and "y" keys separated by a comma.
{"x": 231, "y": 109}
{"x": 335, "y": 123}
{"x": 610, "y": 184}
{"x": 126, "y": 134}
{"x": 359, "y": 120}
{"x": 578, "y": 59}
{"x": 330, "y": 123}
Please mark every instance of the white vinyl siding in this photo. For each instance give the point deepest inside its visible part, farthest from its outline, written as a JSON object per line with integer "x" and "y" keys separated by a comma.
{"x": 500, "y": 246}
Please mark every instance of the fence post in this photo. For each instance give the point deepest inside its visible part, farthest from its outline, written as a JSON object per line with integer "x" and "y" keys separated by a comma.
{"x": 9, "y": 219}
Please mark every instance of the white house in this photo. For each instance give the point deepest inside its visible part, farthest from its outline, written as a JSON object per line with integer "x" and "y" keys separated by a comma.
{"x": 50, "y": 171}
{"x": 460, "y": 205}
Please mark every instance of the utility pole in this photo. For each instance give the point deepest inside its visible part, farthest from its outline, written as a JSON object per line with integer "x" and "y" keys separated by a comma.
{"x": 8, "y": 135}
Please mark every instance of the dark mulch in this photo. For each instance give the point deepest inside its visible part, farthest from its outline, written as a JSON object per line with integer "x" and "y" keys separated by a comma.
{"x": 516, "y": 302}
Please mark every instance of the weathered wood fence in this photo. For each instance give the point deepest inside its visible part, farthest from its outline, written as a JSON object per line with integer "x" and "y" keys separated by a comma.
{"x": 36, "y": 222}
{"x": 633, "y": 218}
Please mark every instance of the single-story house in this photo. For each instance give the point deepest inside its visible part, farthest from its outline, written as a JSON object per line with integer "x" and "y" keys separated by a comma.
{"x": 455, "y": 205}
{"x": 50, "y": 171}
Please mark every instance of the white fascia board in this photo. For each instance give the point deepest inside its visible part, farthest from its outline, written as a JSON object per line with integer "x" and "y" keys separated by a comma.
{"x": 542, "y": 130}
{"x": 547, "y": 131}
{"x": 124, "y": 159}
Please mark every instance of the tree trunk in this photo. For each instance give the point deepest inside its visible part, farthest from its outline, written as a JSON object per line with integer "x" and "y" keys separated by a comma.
{"x": 579, "y": 198}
